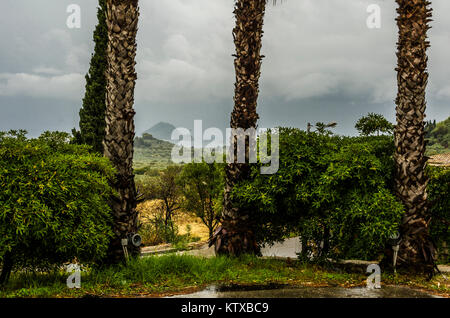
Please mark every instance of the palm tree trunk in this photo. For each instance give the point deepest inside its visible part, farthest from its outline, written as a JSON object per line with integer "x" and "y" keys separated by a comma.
{"x": 236, "y": 234}
{"x": 416, "y": 249}
{"x": 122, "y": 22}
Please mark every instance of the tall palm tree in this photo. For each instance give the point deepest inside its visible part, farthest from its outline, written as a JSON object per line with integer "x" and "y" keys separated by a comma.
{"x": 122, "y": 21}
{"x": 416, "y": 249}
{"x": 236, "y": 236}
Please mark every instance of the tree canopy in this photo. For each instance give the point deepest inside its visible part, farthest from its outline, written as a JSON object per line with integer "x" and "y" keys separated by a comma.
{"x": 92, "y": 114}
{"x": 373, "y": 124}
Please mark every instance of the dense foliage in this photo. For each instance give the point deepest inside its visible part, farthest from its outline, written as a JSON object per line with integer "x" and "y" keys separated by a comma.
{"x": 53, "y": 201}
{"x": 373, "y": 123}
{"x": 439, "y": 197}
{"x": 165, "y": 189}
{"x": 334, "y": 192}
{"x": 202, "y": 187}
{"x": 92, "y": 114}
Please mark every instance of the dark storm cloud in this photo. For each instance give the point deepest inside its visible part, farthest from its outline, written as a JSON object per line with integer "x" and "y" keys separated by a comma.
{"x": 322, "y": 63}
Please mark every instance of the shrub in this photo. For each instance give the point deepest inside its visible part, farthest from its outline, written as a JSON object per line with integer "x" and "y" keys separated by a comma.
{"x": 53, "y": 201}
{"x": 335, "y": 192}
{"x": 165, "y": 188}
{"x": 202, "y": 186}
{"x": 356, "y": 190}
{"x": 439, "y": 197}
{"x": 155, "y": 231}
{"x": 147, "y": 171}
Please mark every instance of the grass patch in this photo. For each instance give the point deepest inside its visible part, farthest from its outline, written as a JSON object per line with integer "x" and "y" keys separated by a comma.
{"x": 168, "y": 274}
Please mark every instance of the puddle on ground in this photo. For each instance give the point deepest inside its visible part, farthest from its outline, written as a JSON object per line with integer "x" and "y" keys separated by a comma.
{"x": 276, "y": 291}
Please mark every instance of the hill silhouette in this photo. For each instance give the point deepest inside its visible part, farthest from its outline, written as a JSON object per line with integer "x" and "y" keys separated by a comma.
{"x": 161, "y": 130}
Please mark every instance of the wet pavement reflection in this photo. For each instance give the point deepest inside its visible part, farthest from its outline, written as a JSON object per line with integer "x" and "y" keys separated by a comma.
{"x": 306, "y": 292}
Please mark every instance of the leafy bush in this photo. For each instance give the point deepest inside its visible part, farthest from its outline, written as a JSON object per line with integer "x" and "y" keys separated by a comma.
{"x": 147, "y": 171}
{"x": 439, "y": 196}
{"x": 53, "y": 201}
{"x": 335, "y": 192}
{"x": 356, "y": 189}
{"x": 202, "y": 186}
{"x": 156, "y": 231}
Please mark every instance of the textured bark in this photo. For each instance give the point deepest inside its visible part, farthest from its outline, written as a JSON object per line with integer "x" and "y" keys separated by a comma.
{"x": 236, "y": 236}
{"x": 122, "y": 21}
{"x": 416, "y": 249}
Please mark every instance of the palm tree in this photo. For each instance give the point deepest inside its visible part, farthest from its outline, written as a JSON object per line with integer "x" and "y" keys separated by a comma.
{"x": 122, "y": 22}
{"x": 416, "y": 249}
{"x": 236, "y": 236}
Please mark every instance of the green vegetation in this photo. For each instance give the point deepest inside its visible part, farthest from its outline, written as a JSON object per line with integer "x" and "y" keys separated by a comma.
{"x": 374, "y": 124}
{"x": 197, "y": 188}
{"x": 92, "y": 113}
{"x": 335, "y": 192}
{"x": 163, "y": 275}
{"x": 439, "y": 197}
{"x": 330, "y": 189}
{"x": 438, "y": 136}
{"x": 155, "y": 231}
{"x": 151, "y": 154}
{"x": 53, "y": 203}
{"x": 202, "y": 188}
{"x": 164, "y": 187}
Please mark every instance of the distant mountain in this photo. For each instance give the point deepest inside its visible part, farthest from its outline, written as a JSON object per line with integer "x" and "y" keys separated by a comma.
{"x": 161, "y": 130}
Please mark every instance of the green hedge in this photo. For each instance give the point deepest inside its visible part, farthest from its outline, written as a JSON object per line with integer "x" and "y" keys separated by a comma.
{"x": 336, "y": 193}
{"x": 439, "y": 197}
{"x": 53, "y": 201}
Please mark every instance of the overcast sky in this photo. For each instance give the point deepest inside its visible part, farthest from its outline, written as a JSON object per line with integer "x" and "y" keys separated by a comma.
{"x": 322, "y": 63}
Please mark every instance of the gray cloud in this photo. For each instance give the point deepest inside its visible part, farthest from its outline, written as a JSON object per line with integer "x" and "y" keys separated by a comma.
{"x": 322, "y": 63}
